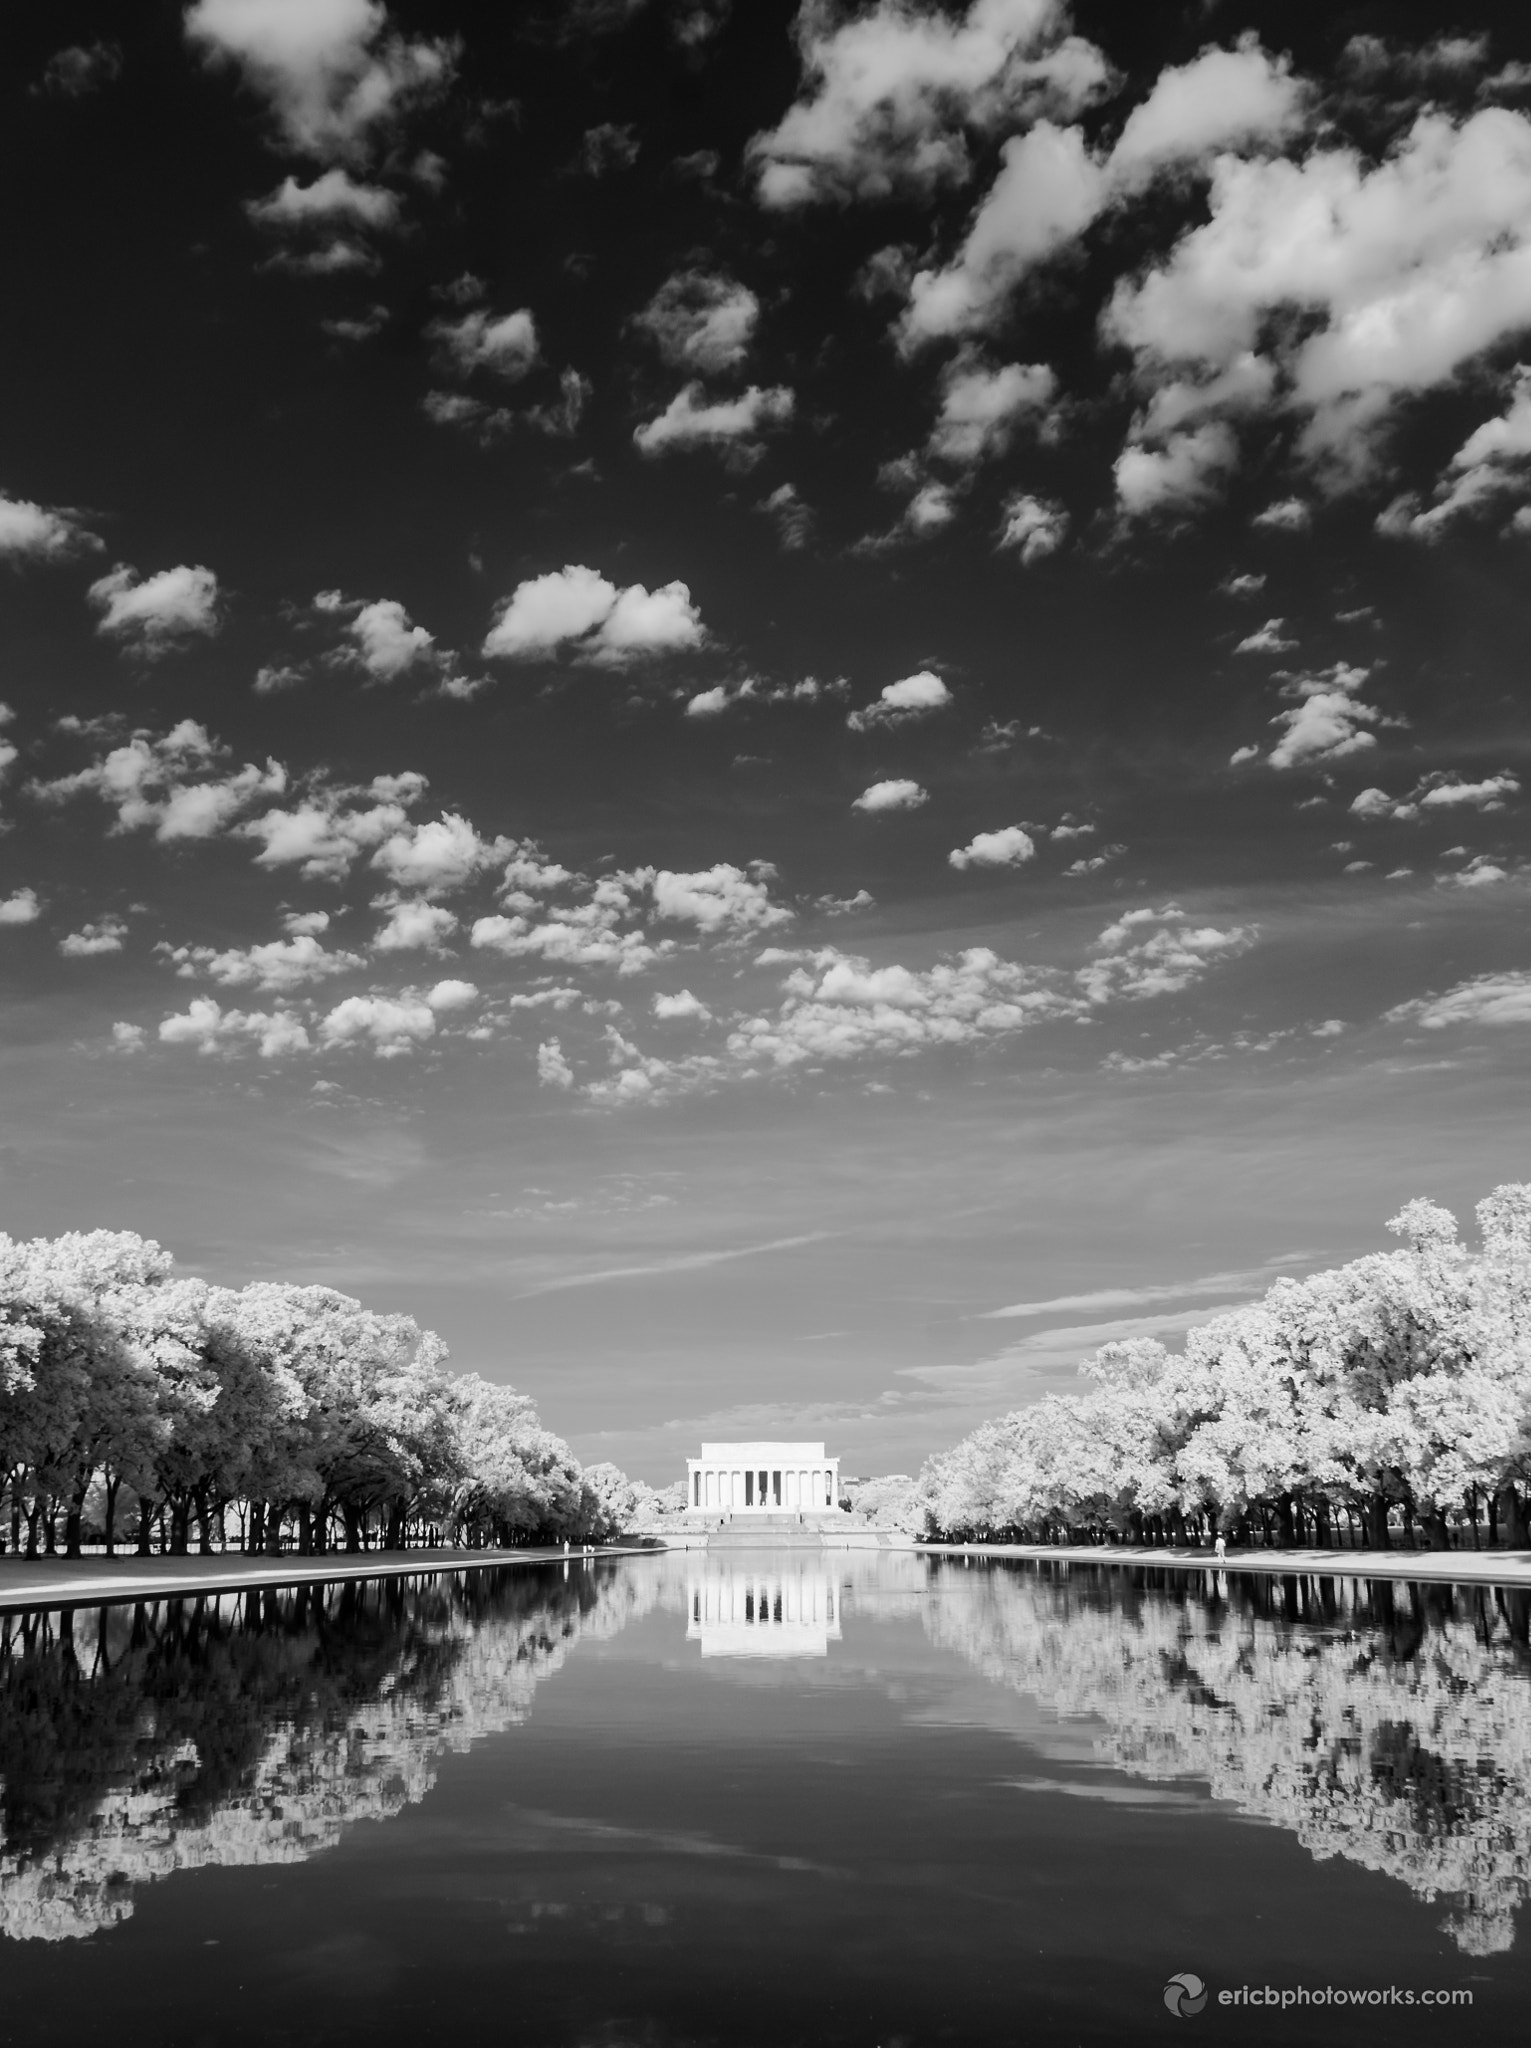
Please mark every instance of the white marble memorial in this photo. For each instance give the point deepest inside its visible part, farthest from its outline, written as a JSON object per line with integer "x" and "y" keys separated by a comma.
{"x": 750, "y": 1482}
{"x": 762, "y": 1607}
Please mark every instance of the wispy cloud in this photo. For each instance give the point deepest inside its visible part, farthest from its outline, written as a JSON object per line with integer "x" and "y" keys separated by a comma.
{"x": 1209, "y": 1285}
{"x": 685, "y": 1262}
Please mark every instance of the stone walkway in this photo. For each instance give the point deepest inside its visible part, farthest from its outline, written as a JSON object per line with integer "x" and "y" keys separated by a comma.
{"x": 88, "y": 1581}
{"x": 1454, "y": 1567}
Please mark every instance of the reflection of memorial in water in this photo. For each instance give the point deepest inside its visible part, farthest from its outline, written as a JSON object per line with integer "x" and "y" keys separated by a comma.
{"x": 773, "y": 1605}
{"x": 243, "y": 1729}
{"x": 1386, "y": 1723}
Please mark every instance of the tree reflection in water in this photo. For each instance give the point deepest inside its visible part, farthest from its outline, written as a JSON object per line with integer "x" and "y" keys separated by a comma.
{"x": 1386, "y": 1723}
{"x": 1389, "y": 1723}
{"x": 254, "y": 1727}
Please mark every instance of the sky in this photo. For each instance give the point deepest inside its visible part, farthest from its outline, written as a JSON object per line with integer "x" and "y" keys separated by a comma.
{"x": 784, "y": 713}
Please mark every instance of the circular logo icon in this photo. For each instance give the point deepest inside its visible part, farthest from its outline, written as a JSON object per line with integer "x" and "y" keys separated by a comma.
{"x": 1185, "y": 1995}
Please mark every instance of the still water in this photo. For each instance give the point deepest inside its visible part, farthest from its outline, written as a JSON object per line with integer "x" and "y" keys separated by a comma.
{"x": 792, "y": 1798}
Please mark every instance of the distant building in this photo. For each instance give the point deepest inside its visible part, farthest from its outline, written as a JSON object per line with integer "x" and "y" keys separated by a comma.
{"x": 759, "y": 1479}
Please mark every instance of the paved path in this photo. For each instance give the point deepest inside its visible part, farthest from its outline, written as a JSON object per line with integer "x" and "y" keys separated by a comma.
{"x": 1455, "y": 1567}
{"x": 57, "y": 1581}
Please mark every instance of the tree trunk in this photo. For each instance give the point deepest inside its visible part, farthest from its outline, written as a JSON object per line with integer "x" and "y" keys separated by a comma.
{"x": 1284, "y": 1521}
{"x": 352, "y": 1522}
{"x": 111, "y": 1516}
{"x": 1376, "y": 1518}
{"x": 1512, "y": 1516}
{"x": 255, "y": 1542}
{"x": 396, "y": 1539}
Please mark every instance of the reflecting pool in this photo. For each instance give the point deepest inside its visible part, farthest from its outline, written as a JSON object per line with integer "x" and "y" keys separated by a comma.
{"x": 771, "y": 1797}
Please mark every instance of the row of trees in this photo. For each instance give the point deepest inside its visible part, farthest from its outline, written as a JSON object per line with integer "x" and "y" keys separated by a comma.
{"x": 141, "y": 1406}
{"x": 1390, "y": 1397}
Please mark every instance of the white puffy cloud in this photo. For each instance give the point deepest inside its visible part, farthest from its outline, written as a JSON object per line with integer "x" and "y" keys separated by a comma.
{"x": 1156, "y": 952}
{"x": 888, "y": 94}
{"x": 1479, "y": 873}
{"x": 450, "y": 995}
{"x": 1049, "y": 189}
{"x": 716, "y": 899}
{"x": 701, "y": 321}
{"x": 1007, "y": 848}
{"x": 735, "y": 425}
{"x": 914, "y": 696}
{"x": 387, "y": 643}
{"x": 105, "y": 935}
{"x": 588, "y": 934}
{"x": 683, "y": 1004}
{"x": 170, "y": 783}
{"x": 393, "y": 1025}
{"x": 331, "y": 71}
{"x": 1398, "y": 272}
{"x": 1495, "y": 999}
{"x": 553, "y": 1070}
{"x": 414, "y": 926}
{"x": 206, "y": 1025}
{"x": 983, "y": 403}
{"x": 324, "y": 834}
{"x": 576, "y": 609}
{"x": 1328, "y": 721}
{"x": 438, "y": 856}
{"x": 1285, "y": 515}
{"x": 278, "y": 966}
{"x": 1220, "y": 98}
{"x": 20, "y": 907}
{"x": 505, "y": 344}
{"x": 898, "y": 793}
{"x": 841, "y": 1007}
{"x": 1034, "y": 527}
{"x": 153, "y": 614}
{"x": 1441, "y": 791}
{"x": 32, "y": 533}
{"x": 1189, "y": 467}
{"x": 1493, "y": 463}
{"x": 754, "y": 690}
{"x": 332, "y": 196}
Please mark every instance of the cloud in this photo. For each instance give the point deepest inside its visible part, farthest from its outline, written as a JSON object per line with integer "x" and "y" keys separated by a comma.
{"x": 1439, "y": 792}
{"x": 553, "y": 1070}
{"x": 681, "y": 1262}
{"x": 392, "y": 1025}
{"x": 155, "y": 614}
{"x": 1496, "y": 999}
{"x": 1034, "y": 527}
{"x": 1188, "y": 469}
{"x": 41, "y": 533}
{"x": 1219, "y": 1286}
{"x": 20, "y": 907}
{"x": 693, "y": 420}
{"x": 439, "y": 856}
{"x": 701, "y": 321}
{"x": 1493, "y": 463}
{"x": 1286, "y": 515}
{"x": 608, "y": 147}
{"x": 414, "y": 925}
{"x": 104, "y": 936}
{"x": 323, "y": 834}
{"x": 387, "y": 644}
{"x": 1009, "y": 847}
{"x": 897, "y": 794}
{"x": 915, "y": 696}
{"x": 1328, "y": 721}
{"x": 331, "y": 71}
{"x": 506, "y": 344}
{"x": 332, "y": 196}
{"x": 794, "y": 519}
{"x": 1157, "y": 952}
{"x": 170, "y": 783}
{"x": 279, "y": 966}
{"x": 1219, "y": 98}
{"x": 753, "y": 690}
{"x": 683, "y": 1004}
{"x": 888, "y": 94}
{"x": 79, "y": 69}
{"x": 717, "y": 899}
{"x": 982, "y": 404}
{"x": 1266, "y": 639}
{"x": 841, "y": 1007}
{"x": 1366, "y": 280}
{"x": 577, "y": 610}
{"x": 206, "y": 1025}
{"x": 1048, "y": 190}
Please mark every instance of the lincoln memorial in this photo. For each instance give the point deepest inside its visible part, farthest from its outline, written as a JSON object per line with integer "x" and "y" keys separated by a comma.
{"x": 760, "y": 1479}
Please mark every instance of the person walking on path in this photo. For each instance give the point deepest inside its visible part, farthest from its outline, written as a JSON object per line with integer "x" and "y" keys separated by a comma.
{"x": 1220, "y": 1548}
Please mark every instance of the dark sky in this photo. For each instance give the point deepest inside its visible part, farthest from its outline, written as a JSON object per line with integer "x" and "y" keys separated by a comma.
{"x": 705, "y": 691}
